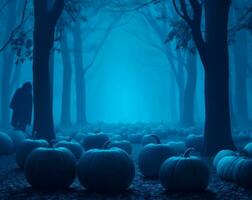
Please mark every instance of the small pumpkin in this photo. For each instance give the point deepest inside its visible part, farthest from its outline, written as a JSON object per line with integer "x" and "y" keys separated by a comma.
{"x": 151, "y": 158}
{"x": 221, "y": 154}
{"x": 94, "y": 141}
{"x": 74, "y": 147}
{"x": 184, "y": 173}
{"x": 178, "y": 147}
{"x": 135, "y": 138}
{"x": 50, "y": 168}
{"x": 149, "y": 139}
{"x": 26, "y": 147}
{"x": 116, "y": 138}
{"x": 109, "y": 170}
{"x": 123, "y": 144}
{"x": 6, "y": 144}
{"x": 237, "y": 168}
{"x": 79, "y": 136}
{"x": 195, "y": 141}
{"x": 243, "y": 171}
{"x": 248, "y": 149}
{"x": 17, "y": 137}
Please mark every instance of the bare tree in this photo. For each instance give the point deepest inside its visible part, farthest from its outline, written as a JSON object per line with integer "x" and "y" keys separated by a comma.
{"x": 213, "y": 51}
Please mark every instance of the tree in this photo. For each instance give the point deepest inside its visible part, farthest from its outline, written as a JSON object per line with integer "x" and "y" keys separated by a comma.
{"x": 213, "y": 51}
{"x": 43, "y": 38}
{"x": 7, "y": 85}
{"x": 82, "y": 68}
{"x": 162, "y": 22}
{"x": 241, "y": 60}
{"x": 67, "y": 81}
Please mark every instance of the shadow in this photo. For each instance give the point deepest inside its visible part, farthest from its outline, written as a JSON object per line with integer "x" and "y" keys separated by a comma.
{"x": 201, "y": 195}
{"x": 110, "y": 195}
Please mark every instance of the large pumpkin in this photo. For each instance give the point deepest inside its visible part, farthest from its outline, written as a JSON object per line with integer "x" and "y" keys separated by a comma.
{"x": 150, "y": 139}
{"x": 123, "y": 144}
{"x": 221, "y": 154}
{"x": 6, "y": 144}
{"x": 94, "y": 141}
{"x": 195, "y": 141}
{"x": 74, "y": 147}
{"x": 50, "y": 168}
{"x": 184, "y": 174}
{"x": 105, "y": 170}
{"x": 151, "y": 158}
{"x": 26, "y": 147}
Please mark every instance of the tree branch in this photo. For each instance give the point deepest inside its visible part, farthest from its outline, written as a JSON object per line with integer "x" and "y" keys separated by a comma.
{"x": 16, "y": 29}
{"x": 108, "y": 31}
{"x": 56, "y": 11}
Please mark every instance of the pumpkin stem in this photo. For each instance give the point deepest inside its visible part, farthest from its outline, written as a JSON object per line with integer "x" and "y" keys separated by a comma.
{"x": 156, "y": 138}
{"x": 187, "y": 152}
{"x": 106, "y": 144}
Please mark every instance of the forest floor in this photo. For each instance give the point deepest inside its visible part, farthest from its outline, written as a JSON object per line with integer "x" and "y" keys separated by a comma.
{"x": 14, "y": 186}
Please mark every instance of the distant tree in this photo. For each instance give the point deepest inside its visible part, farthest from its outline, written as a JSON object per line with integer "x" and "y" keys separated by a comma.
{"x": 213, "y": 51}
{"x": 162, "y": 21}
{"x": 10, "y": 53}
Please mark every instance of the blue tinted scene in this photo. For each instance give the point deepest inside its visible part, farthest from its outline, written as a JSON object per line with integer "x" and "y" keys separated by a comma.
{"x": 125, "y": 99}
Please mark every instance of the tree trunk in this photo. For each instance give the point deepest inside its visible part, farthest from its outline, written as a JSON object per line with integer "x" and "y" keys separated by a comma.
{"x": 217, "y": 124}
{"x": 51, "y": 66}
{"x": 80, "y": 83}
{"x": 8, "y": 65}
{"x": 190, "y": 91}
{"x": 43, "y": 37}
{"x": 241, "y": 65}
{"x": 181, "y": 85}
{"x": 67, "y": 80}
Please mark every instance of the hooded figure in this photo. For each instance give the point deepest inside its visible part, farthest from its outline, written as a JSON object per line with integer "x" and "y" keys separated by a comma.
{"x": 21, "y": 104}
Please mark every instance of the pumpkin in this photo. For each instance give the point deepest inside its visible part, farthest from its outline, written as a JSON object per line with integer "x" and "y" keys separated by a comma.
{"x": 17, "y": 137}
{"x": 195, "y": 141}
{"x": 26, "y": 147}
{"x": 237, "y": 168}
{"x": 184, "y": 173}
{"x": 135, "y": 138}
{"x": 150, "y": 139}
{"x": 109, "y": 170}
{"x": 79, "y": 136}
{"x": 50, "y": 168}
{"x": 116, "y": 138}
{"x": 221, "y": 154}
{"x": 248, "y": 149}
{"x": 94, "y": 141}
{"x": 178, "y": 147}
{"x": 6, "y": 144}
{"x": 243, "y": 171}
{"x": 151, "y": 158}
{"x": 123, "y": 144}
{"x": 74, "y": 147}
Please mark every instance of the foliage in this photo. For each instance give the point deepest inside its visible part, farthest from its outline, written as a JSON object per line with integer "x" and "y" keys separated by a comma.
{"x": 22, "y": 45}
{"x": 246, "y": 21}
{"x": 181, "y": 34}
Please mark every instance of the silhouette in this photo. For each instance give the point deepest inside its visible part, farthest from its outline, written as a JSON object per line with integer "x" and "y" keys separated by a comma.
{"x": 21, "y": 104}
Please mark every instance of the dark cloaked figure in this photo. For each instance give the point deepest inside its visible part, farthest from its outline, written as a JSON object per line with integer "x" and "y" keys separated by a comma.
{"x": 21, "y": 104}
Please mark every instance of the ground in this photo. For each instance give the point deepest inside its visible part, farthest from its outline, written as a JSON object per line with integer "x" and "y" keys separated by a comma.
{"x": 14, "y": 186}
